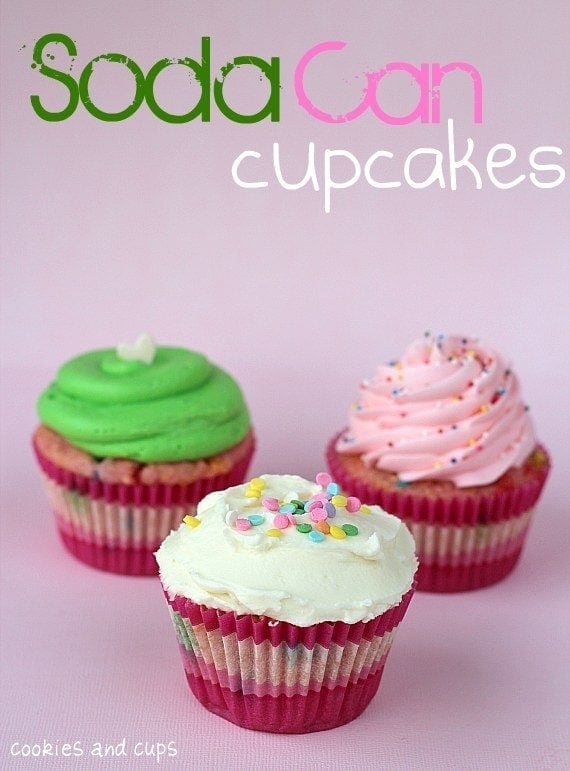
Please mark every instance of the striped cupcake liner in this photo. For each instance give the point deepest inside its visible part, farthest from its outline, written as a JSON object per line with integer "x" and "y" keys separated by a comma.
{"x": 273, "y": 676}
{"x": 117, "y": 528}
{"x": 455, "y": 559}
{"x": 463, "y": 542}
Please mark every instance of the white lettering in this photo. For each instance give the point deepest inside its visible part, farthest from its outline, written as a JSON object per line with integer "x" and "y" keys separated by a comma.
{"x": 500, "y": 164}
{"x": 236, "y": 164}
{"x": 331, "y": 183}
{"x": 546, "y": 167}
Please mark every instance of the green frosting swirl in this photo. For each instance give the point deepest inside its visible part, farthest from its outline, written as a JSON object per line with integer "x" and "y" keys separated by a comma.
{"x": 180, "y": 407}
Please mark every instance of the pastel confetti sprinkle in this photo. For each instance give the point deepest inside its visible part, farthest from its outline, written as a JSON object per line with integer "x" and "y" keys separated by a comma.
{"x": 256, "y": 519}
{"x": 353, "y": 504}
{"x": 281, "y": 521}
{"x": 312, "y": 517}
{"x": 191, "y": 521}
{"x": 330, "y": 509}
{"x": 323, "y": 479}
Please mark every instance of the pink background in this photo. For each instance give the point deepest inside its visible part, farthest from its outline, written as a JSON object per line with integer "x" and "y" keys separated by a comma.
{"x": 109, "y": 229}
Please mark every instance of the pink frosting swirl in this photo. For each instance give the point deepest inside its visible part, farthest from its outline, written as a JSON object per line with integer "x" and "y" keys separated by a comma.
{"x": 450, "y": 409}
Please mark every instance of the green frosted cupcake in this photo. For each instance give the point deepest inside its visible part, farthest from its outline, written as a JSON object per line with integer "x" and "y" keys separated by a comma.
{"x": 130, "y": 440}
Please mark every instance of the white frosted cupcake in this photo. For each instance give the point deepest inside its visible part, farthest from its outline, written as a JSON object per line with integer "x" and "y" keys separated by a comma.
{"x": 285, "y": 596}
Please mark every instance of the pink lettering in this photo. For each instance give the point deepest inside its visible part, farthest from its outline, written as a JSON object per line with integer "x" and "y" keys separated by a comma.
{"x": 437, "y": 74}
{"x": 421, "y": 77}
{"x": 427, "y": 76}
{"x": 305, "y": 102}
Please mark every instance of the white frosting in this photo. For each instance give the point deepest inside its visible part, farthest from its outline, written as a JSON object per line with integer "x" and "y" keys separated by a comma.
{"x": 289, "y": 578}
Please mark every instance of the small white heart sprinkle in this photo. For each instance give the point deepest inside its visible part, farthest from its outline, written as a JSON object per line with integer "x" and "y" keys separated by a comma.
{"x": 143, "y": 349}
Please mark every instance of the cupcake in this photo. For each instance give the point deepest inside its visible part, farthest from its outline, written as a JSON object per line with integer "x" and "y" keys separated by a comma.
{"x": 130, "y": 440}
{"x": 442, "y": 439}
{"x": 285, "y": 597}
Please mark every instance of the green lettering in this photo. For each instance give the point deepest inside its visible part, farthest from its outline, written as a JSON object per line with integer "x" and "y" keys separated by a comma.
{"x": 139, "y": 88}
{"x": 50, "y": 72}
{"x": 144, "y": 87}
{"x": 202, "y": 73}
{"x": 271, "y": 72}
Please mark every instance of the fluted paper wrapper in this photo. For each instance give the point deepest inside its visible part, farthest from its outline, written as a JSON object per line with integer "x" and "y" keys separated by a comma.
{"x": 273, "y": 676}
{"x": 118, "y": 527}
{"x": 462, "y": 542}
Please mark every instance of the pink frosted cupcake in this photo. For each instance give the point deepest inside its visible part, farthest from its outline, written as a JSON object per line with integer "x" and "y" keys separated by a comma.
{"x": 130, "y": 440}
{"x": 442, "y": 439}
{"x": 285, "y": 598}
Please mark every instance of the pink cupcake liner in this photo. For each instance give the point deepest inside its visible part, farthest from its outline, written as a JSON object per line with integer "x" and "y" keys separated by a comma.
{"x": 127, "y": 562}
{"x": 464, "y": 542}
{"x": 454, "y": 546}
{"x": 274, "y": 676}
{"x": 317, "y": 711}
{"x": 253, "y": 685}
{"x": 118, "y": 527}
{"x": 463, "y": 578}
{"x": 455, "y": 559}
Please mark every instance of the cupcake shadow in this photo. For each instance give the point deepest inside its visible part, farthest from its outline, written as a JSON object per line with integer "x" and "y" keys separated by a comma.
{"x": 448, "y": 671}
